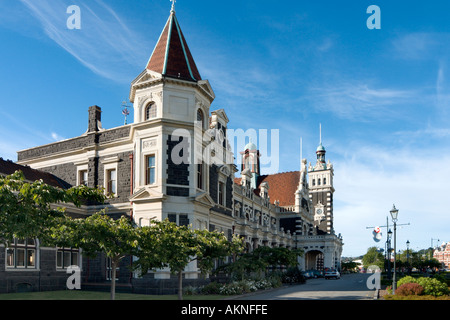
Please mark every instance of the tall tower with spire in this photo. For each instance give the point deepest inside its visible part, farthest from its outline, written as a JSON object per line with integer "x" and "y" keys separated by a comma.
{"x": 171, "y": 105}
{"x": 321, "y": 190}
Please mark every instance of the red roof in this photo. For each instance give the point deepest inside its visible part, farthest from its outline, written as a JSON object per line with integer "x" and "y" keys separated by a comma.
{"x": 8, "y": 167}
{"x": 171, "y": 56}
{"x": 282, "y": 186}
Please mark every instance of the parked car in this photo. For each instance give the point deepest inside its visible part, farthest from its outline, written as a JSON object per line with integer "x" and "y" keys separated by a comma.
{"x": 332, "y": 274}
{"x": 316, "y": 273}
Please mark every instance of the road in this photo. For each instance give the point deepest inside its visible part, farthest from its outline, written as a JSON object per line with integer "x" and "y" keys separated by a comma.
{"x": 349, "y": 287}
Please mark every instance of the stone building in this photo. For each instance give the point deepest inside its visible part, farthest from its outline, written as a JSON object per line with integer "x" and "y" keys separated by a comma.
{"x": 174, "y": 162}
{"x": 442, "y": 254}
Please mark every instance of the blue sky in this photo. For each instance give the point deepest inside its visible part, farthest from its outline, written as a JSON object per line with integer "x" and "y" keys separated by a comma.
{"x": 382, "y": 96}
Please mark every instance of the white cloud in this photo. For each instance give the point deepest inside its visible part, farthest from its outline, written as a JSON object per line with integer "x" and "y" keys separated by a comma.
{"x": 104, "y": 44}
{"x": 373, "y": 179}
{"x": 358, "y": 100}
{"x": 56, "y": 136}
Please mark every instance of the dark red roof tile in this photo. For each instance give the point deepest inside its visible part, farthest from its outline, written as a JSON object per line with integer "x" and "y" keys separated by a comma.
{"x": 171, "y": 56}
{"x": 282, "y": 186}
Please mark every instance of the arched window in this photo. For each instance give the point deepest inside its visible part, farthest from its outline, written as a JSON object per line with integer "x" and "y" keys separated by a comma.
{"x": 200, "y": 117}
{"x": 150, "y": 111}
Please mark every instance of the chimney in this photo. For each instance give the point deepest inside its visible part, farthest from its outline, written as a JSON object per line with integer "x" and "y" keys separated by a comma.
{"x": 95, "y": 119}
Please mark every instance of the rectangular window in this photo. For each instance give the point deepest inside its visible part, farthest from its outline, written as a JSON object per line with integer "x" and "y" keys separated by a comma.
{"x": 10, "y": 258}
{"x": 172, "y": 217}
{"x": 111, "y": 187}
{"x": 221, "y": 192}
{"x": 150, "y": 169}
{"x": 66, "y": 257}
{"x": 83, "y": 177}
{"x": 200, "y": 176}
{"x": 21, "y": 254}
{"x": 184, "y": 220}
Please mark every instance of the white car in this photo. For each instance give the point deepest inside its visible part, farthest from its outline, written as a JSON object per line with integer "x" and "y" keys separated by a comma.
{"x": 332, "y": 274}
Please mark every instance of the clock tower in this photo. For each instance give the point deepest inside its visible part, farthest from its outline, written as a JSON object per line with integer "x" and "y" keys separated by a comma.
{"x": 321, "y": 191}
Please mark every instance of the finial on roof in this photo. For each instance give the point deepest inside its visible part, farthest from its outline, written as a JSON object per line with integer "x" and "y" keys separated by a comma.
{"x": 173, "y": 5}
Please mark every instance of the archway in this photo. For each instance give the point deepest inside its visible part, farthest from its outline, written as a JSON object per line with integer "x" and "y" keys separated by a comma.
{"x": 314, "y": 260}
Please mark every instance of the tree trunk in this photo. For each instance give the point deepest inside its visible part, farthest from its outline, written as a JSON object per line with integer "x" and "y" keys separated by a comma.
{"x": 180, "y": 285}
{"x": 113, "y": 279}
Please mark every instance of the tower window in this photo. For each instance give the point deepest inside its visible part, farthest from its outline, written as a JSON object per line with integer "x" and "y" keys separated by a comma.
{"x": 200, "y": 176}
{"x": 150, "y": 111}
{"x": 150, "y": 169}
{"x": 200, "y": 117}
{"x": 221, "y": 193}
{"x": 324, "y": 180}
{"x": 318, "y": 182}
{"x": 313, "y": 182}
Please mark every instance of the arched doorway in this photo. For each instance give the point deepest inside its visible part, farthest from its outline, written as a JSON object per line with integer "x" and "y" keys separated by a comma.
{"x": 314, "y": 260}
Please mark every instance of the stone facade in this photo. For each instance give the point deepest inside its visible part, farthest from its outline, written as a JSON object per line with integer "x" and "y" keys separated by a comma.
{"x": 201, "y": 190}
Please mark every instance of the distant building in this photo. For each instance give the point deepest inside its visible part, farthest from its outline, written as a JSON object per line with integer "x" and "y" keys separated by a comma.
{"x": 174, "y": 162}
{"x": 442, "y": 254}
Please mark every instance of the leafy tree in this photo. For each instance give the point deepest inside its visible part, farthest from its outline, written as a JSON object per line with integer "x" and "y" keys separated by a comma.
{"x": 260, "y": 259}
{"x": 373, "y": 257}
{"x": 165, "y": 244}
{"x": 29, "y": 209}
{"x": 350, "y": 266}
{"x": 99, "y": 233}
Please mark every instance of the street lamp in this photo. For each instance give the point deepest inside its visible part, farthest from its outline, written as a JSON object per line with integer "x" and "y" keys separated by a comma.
{"x": 394, "y": 215}
{"x": 407, "y": 256}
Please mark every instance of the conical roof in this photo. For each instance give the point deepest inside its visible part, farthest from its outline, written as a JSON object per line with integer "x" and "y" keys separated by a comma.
{"x": 171, "y": 56}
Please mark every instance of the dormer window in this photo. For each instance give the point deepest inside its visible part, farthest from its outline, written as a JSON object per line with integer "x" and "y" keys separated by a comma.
{"x": 150, "y": 111}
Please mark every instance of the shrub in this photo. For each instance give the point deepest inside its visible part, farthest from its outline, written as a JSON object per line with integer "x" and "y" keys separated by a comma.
{"x": 407, "y": 279}
{"x": 410, "y": 289}
{"x": 293, "y": 275}
{"x": 211, "y": 288}
{"x": 431, "y": 286}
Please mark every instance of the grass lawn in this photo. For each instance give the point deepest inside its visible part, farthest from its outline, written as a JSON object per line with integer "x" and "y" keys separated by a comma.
{"x": 93, "y": 295}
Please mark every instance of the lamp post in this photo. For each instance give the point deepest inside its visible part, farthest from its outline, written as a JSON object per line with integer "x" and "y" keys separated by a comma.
{"x": 394, "y": 215}
{"x": 389, "y": 253}
{"x": 407, "y": 256}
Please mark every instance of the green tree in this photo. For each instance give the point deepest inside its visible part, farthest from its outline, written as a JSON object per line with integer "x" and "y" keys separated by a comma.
{"x": 166, "y": 244}
{"x": 99, "y": 233}
{"x": 30, "y": 209}
{"x": 260, "y": 259}
{"x": 373, "y": 257}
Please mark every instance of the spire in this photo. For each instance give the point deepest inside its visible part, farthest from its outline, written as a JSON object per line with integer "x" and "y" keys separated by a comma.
{"x": 171, "y": 56}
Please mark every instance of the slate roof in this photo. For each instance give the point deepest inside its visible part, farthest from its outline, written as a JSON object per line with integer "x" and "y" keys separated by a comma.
{"x": 8, "y": 167}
